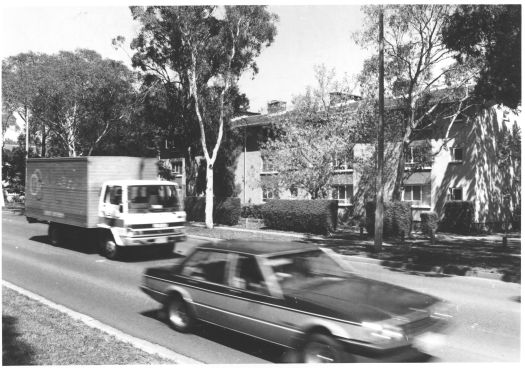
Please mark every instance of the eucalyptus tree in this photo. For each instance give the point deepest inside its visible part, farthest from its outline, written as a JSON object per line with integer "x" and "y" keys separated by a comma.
{"x": 423, "y": 81}
{"x": 202, "y": 51}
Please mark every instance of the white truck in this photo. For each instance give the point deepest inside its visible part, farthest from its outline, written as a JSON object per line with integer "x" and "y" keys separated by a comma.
{"x": 115, "y": 201}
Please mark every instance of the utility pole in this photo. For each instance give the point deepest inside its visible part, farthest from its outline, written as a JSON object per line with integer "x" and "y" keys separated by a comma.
{"x": 378, "y": 228}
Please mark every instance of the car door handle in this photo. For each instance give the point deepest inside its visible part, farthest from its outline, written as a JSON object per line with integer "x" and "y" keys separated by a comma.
{"x": 235, "y": 291}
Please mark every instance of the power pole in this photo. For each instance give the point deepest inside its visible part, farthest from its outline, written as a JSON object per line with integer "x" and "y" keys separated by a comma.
{"x": 378, "y": 228}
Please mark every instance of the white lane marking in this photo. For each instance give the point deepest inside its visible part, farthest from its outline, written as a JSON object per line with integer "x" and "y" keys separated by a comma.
{"x": 143, "y": 345}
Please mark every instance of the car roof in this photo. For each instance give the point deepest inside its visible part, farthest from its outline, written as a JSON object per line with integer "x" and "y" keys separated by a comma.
{"x": 260, "y": 247}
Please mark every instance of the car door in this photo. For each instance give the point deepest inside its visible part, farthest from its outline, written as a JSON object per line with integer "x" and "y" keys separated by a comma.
{"x": 205, "y": 273}
{"x": 254, "y": 309}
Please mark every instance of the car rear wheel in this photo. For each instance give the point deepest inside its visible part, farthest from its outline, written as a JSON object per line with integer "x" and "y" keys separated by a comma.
{"x": 321, "y": 348}
{"x": 179, "y": 315}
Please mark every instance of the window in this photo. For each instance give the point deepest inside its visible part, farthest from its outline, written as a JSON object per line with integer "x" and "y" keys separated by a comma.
{"x": 113, "y": 195}
{"x": 294, "y": 192}
{"x": 421, "y": 155}
{"x": 176, "y": 167}
{"x": 456, "y": 194}
{"x": 343, "y": 193}
{"x": 248, "y": 275}
{"x": 270, "y": 193}
{"x": 343, "y": 162}
{"x": 268, "y": 166}
{"x": 457, "y": 154}
{"x": 412, "y": 193}
{"x": 206, "y": 265}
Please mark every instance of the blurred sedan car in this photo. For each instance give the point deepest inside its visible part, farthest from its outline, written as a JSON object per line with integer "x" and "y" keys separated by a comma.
{"x": 298, "y": 296}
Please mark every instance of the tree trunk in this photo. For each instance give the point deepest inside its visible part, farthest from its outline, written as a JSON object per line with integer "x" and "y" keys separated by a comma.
{"x": 396, "y": 195}
{"x": 209, "y": 196}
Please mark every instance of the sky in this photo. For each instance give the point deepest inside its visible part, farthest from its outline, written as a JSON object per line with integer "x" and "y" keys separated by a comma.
{"x": 306, "y": 35}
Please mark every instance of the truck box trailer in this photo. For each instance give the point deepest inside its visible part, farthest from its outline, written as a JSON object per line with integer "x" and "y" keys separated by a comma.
{"x": 119, "y": 198}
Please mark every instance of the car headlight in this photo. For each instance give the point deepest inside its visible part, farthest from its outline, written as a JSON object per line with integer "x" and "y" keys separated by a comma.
{"x": 385, "y": 332}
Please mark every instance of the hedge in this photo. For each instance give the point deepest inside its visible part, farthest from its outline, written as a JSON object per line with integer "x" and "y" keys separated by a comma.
{"x": 252, "y": 211}
{"x": 429, "y": 222}
{"x": 317, "y": 216}
{"x": 226, "y": 211}
{"x": 397, "y": 218}
{"x": 458, "y": 217}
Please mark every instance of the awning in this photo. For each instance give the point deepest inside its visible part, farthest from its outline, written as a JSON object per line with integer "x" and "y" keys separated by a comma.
{"x": 420, "y": 178}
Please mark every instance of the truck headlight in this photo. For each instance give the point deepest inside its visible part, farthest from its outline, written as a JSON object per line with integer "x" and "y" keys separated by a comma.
{"x": 384, "y": 332}
{"x": 129, "y": 231}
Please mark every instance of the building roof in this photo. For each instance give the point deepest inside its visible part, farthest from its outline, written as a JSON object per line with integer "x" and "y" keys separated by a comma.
{"x": 260, "y": 247}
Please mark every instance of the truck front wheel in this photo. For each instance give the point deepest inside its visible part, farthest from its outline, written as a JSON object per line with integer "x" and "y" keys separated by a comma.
{"x": 108, "y": 247}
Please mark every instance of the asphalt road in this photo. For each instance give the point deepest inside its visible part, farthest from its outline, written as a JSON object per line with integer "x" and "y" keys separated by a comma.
{"x": 486, "y": 329}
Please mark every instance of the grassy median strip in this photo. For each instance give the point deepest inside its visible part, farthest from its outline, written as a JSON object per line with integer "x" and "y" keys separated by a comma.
{"x": 34, "y": 334}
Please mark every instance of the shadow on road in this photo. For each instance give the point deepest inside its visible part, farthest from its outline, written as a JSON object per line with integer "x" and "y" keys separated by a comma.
{"x": 88, "y": 246}
{"x": 14, "y": 351}
{"x": 233, "y": 340}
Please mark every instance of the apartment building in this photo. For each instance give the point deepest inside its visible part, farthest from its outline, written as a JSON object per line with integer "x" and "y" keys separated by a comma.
{"x": 462, "y": 161}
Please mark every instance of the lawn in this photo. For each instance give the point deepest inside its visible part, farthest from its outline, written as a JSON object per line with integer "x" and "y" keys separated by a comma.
{"x": 34, "y": 334}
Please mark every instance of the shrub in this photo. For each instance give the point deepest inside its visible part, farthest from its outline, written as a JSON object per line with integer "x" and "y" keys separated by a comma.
{"x": 397, "y": 218}
{"x": 312, "y": 216}
{"x": 458, "y": 217}
{"x": 252, "y": 211}
{"x": 226, "y": 211}
{"x": 429, "y": 222}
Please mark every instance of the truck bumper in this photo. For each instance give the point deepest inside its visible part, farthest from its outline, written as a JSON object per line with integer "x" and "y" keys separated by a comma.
{"x": 140, "y": 241}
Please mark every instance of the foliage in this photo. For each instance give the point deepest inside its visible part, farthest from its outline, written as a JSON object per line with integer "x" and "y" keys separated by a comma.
{"x": 14, "y": 166}
{"x": 429, "y": 222}
{"x": 310, "y": 216}
{"x": 203, "y": 50}
{"x": 417, "y": 66}
{"x": 490, "y": 36}
{"x": 73, "y": 99}
{"x": 252, "y": 211}
{"x": 310, "y": 140}
{"x": 458, "y": 217}
{"x": 227, "y": 211}
{"x": 397, "y": 218}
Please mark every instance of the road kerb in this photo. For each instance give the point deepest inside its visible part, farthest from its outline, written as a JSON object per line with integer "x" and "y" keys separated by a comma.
{"x": 141, "y": 344}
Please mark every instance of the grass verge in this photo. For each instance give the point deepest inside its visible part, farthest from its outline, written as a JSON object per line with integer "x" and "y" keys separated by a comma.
{"x": 35, "y": 334}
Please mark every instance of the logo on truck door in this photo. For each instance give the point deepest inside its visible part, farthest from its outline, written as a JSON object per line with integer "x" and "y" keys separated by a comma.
{"x": 35, "y": 184}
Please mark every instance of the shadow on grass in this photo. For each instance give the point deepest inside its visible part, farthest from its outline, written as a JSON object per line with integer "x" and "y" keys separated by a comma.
{"x": 14, "y": 351}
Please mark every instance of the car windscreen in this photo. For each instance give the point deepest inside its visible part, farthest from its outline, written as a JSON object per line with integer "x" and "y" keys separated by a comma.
{"x": 153, "y": 198}
{"x": 299, "y": 270}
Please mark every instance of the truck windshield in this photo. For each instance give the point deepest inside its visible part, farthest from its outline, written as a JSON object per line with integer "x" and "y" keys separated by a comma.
{"x": 153, "y": 198}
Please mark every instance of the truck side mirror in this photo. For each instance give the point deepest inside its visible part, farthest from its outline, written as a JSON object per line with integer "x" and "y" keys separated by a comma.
{"x": 120, "y": 208}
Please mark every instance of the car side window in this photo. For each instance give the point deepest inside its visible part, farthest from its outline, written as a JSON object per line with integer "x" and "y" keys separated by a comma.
{"x": 247, "y": 275}
{"x": 206, "y": 265}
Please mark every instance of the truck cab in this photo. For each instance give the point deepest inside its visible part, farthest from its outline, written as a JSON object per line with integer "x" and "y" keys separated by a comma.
{"x": 140, "y": 212}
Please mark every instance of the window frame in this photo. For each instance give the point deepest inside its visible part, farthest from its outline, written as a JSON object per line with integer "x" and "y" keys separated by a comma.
{"x": 453, "y": 190}
{"x": 348, "y": 198}
{"x": 453, "y": 151}
{"x": 265, "y": 191}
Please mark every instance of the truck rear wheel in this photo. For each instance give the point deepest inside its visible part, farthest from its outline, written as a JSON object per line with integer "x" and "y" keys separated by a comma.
{"x": 55, "y": 234}
{"x": 108, "y": 247}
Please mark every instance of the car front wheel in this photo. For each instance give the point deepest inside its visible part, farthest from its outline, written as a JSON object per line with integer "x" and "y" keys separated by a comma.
{"x": 179, "y": 315}
{"x": 321, "y": 348}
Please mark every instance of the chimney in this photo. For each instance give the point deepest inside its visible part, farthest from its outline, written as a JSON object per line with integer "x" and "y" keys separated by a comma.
{"x": 337, "y": 98}
{"x": 276, "y": 106}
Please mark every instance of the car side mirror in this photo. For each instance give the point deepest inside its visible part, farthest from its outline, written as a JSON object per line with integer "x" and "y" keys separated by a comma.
{"x": 120, "y": 208}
